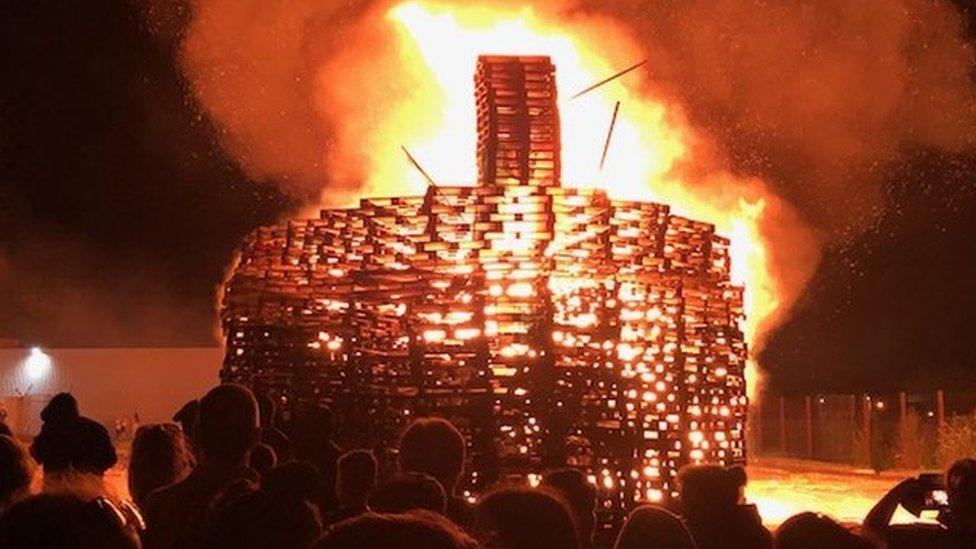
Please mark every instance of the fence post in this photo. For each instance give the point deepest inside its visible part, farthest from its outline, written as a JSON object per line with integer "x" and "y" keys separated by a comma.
{"x": 851, "y": 409}
{"x": 782, "y": 424}
{"x": 866, "y": 411}
{"x": 808, "y": 424}
{"x": 940, "y": 408}
{"x": 902, "y": 408}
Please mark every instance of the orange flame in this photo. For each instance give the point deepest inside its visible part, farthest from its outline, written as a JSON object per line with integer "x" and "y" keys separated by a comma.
{"x": 418, "y": 94}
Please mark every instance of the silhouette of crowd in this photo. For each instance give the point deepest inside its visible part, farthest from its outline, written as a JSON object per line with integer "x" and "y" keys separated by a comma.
{"x": 231, "y": 474}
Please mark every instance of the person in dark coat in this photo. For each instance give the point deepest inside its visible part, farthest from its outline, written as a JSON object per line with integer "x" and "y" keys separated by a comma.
{"x": 270, "y": 433}
{"x": 71, "y": 442}
{"x": 225, "y": 431}
{"x": 313, "y": 443}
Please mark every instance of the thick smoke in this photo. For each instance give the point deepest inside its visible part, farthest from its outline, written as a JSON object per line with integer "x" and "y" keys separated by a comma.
{"x": 813, "y": 100}
{"x": 253, "y": 66}
{"x": 819, "y": 97}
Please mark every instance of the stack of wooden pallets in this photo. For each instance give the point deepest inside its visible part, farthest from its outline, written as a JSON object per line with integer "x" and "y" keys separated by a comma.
{"x": 555, "y": 326}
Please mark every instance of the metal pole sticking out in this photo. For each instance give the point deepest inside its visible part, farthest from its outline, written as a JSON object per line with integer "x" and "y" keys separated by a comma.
{"x": 430, "y": 182}
{"x": 606, "y": 144}
{"x": 588, "y": 89}
{"x": 423, "y": 172}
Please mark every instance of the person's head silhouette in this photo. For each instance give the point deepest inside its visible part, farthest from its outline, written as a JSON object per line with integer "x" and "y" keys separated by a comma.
{"x": 227, "y": 424}
{"x": 708, "y": 489}
{"x": 435, "y": 447}
{"x": 650, "y": 526}
{"x": 413, "y": 530}
{"x": 91, "y": 447}
{"x": 69, "y": 441}
{"x": 713, "y": 506}
{"x": 815, "y": 531}
{"x": 186, "y": 416}
{"x": 572, "y": 485}
{"x": 159, "y": 457}
{"x": 521, "y": 518}
{"x": 16, "y": 472}
{"x": 62, "y": 407}
{"x": 268, "y": 410}
{"x": 256, "y": 519}
{"x": 961, "y": 489}
{"x": 409, "y": 491}
{"x": 262, "y": 458}
{"x": 293, "y": 481}
{"x": 356, "y": 477}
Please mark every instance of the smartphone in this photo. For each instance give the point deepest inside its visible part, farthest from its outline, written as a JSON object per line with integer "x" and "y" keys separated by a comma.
{"x": 936, "y": 496}
{"x": 936, "y": 499}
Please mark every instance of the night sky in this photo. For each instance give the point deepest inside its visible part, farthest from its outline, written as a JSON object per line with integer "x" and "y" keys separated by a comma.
{"x": 119, "y": 213}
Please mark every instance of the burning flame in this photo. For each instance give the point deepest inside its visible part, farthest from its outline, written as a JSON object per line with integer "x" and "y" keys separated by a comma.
{"x": 427, "y": 105}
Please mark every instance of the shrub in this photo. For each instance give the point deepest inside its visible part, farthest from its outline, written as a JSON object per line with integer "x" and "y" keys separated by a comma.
{"x": 909, "y": 442}
{"x": 957, "y": 439}
{"x": 862, "y": 448}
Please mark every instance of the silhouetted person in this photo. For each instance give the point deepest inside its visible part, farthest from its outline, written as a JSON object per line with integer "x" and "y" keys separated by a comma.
{"x": 711, "y": 501}
{"x": 159, "y": 458}
{"x": 435, "y": 447}
{"x": 61, "y": 407}
{"x": 50, "y": 446}
{"x": 355, "y": 479}
{"x": 270, "y": 433}
{"x": 262, "y": 458}
{"x": 957, "y": 519}
{"x": 66, "y": 522}
{"x": 225, "y": 431}
{"x": 92, "y": 448}
{"x": 259, "y": 519}
{"x": 521, "y": 518}
{"x": 414, "y": 530}
{"x": 292, "y": 481}
{"x": 654, "y": 528}
{"x": 408, "y": 492}
{"x": 186, "y": 418}
{"x": 312, "y": 442}
{"x": 16, "y": 472}
{"x": 69, "y": 442}
{"x": 816, "y": 531}
{"x": 572, "y": 485}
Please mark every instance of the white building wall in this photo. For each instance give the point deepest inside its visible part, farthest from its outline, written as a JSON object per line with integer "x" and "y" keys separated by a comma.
{"x": 108, "y": 383}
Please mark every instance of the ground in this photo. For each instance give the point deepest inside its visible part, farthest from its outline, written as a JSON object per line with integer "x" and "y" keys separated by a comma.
{"x": 783, "y": 487}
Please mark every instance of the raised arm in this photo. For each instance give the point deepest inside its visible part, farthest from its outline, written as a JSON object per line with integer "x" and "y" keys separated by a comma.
{"x": 879, "y": 518}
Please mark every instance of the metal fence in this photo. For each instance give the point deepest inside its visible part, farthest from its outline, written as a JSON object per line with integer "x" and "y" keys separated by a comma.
{"x": 901, "y": 430}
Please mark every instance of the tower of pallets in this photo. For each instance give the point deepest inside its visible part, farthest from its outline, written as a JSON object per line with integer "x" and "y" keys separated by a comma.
{"x": 554, "y": 326}
{"x": 518, "y": 122}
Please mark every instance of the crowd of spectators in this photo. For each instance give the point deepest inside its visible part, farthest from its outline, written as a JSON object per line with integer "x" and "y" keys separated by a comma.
{"x": 231, "y": 474}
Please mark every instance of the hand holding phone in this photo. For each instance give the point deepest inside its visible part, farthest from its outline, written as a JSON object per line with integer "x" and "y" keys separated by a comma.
{"x": 927, "y": 493}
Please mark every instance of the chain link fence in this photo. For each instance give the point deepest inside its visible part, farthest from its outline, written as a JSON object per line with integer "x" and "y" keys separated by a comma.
{"x": 879, "y": 431}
